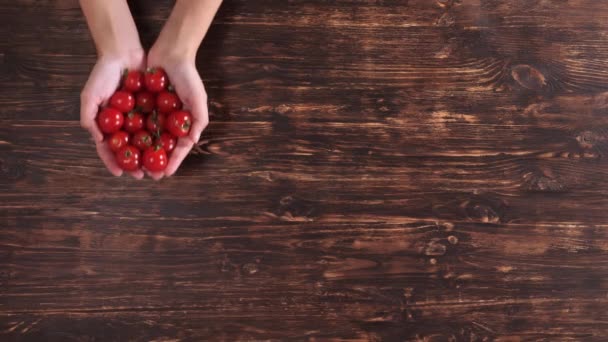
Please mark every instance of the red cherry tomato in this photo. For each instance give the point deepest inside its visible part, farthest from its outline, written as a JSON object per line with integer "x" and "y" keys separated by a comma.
{"x": 133, "y": 81}
{"x": 142, "y": 140}
{"x": 145, "y": 101}
{"x": 128, "y": 158}
{"x": 155, "y": 159}
{"x": 167, "y": 102}
{"x": 166, "y": 141}
{"x": 155, "y": 80}
{"x": 123, "y": 101}
{"x": 179, "y": 122}
{"x": 134, "y": 122}
{"x": 118, "y": 140}
{"x": 109, "y": 120}
{"x": 155, "y": 122}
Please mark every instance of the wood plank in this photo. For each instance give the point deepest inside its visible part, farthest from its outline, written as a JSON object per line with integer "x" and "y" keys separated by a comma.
{"x": 374, "y": 171}
{"x": 377, "y": 279}
{"x": 429, "y": 58}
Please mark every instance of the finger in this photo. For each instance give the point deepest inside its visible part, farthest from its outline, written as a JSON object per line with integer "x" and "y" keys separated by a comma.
{"x": 138, "y": 174}
{"x": 95, "y": 133}
{"x": 198, "y": 125}
{"x": 88, "y": 111}
{"x": 155, "y": 175}
{"x": 106, "y": 155}
{"x": 140, "y": 64}
{"x": 184, "y": 145}
{"x": 200, "y": 117}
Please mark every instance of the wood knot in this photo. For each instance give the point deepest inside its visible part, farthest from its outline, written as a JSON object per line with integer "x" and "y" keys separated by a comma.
{"x": 505, "y": 269}
{"x": 528, "y": 77}
{"x": 204, "y": 147}
{"x": 590, "y": 139}
{"x": 452, "y": 239}
{"x": 282, "y": 109}
{"x": 11, "y": 168}
{"x": 218, "y": 110}
{"x": 436, "y": 338}
{"x": 445, "y": 52}
{"x": 287, "y": 200}
{"x": 250, "y": 268}
{"x": 267, "y": 175}
{"x": 484, "y": 214}
{"x": 543, "y": 179}
{"x": 270, "y": 68}
{"x": 445, "y": 3}
{"x": 448, "y": 226}
{"x": 446, "y": 20}
{"x": 225, "y": 265}
{"x": 600, "y": 101}
{"x": 434, "y": 248}
{"x": 535, "y": 109}
{"x": 408, "y": 292}
{"x": 295, "y": 209}
{"x": 485, "y": 210}
{"x": 586, "y": 139}
{"x": 542, "y": 183}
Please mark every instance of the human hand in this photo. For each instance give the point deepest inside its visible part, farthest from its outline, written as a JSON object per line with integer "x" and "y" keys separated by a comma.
{"x": 102, "y": 83}
{"x": 188, "y": 85}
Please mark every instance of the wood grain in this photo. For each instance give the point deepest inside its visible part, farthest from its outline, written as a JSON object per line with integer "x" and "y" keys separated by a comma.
{"x": 374, "y": 171}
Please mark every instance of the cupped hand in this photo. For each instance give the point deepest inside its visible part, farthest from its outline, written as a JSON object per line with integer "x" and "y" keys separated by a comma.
{"x": 189, "y": 87}
{"x": 102, "y": 83}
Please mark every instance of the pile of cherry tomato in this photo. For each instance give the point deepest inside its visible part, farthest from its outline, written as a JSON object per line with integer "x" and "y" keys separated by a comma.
{"x": 143, "y": 120}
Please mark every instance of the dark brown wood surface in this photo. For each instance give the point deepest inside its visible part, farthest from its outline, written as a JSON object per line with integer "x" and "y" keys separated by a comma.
{"x": 374, "y": 170}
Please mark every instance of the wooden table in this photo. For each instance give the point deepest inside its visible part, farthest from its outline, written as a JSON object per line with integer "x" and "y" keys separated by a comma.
{"x": 374, "y": 170}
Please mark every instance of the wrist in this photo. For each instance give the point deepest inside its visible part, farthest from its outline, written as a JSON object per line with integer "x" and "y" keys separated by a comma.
{"x": 113, "y": 29}
{"x": 183, "y": 32}
{"x": 127, "y": 54}
{"x": 172, "y": 53}
{"x": 124, "y": 45}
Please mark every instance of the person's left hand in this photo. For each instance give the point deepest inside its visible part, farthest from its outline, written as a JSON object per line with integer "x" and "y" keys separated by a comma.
{"x": 102, "y": 83}
{"x": 189, "y": 87}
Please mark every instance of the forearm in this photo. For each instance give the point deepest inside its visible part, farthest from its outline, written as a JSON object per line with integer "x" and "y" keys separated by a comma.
{"x": 112, "y": 27}
{"x": 186, "y": 27}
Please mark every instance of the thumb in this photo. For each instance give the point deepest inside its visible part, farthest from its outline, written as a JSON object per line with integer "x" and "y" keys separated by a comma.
{"x": 88, "y": 112}
{"x": 200, "y": 117}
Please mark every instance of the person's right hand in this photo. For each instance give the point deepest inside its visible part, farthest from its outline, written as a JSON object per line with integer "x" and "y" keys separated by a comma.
{"x": 102, "y": 83}
{"x": 183, "y": 75}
